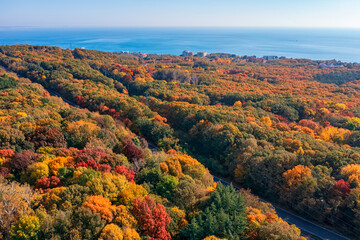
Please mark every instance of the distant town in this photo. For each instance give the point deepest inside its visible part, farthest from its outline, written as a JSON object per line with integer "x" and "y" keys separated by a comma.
{"x": 331, "y": 64}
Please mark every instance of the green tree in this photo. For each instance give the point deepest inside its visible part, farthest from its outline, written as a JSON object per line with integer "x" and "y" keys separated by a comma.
{"x": 166, "y": 186}
{"x": 224, "y": 217}
{"x": 88, "y": 223}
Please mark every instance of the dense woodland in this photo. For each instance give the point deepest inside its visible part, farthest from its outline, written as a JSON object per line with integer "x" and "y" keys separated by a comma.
{"x": 286, "y": 129}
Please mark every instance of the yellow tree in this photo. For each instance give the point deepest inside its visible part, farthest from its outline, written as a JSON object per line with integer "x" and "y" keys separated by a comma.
{"x": 27, "y": 228}
{"x": 214, "y": 238}
{"x": 130, "y": 192}
{"x": 100, "y": 205}
{"x": 237, "y": 104}
{"x": 352, "y": 173}
{"x": 131, "y": 234}
{"x": 111, "y": 232}
{"x": 123, "y": 217}
{"x": 297, "y": 174}
{"x": 15, "y": 202}
{"x": 108, "y": 185}
{"x": 58, "y": 163}
{"x": 266, "y": 120}
{"x": 300, "y": 183}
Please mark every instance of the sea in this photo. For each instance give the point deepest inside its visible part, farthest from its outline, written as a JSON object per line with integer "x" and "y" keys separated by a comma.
{"x": 316, "y": 44}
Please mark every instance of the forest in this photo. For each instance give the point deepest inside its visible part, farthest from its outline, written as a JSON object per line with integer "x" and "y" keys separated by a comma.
{"x": 286, "y": 130}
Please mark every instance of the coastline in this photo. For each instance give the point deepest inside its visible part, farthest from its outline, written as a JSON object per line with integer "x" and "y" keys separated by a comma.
{"x": 314, "y": 44}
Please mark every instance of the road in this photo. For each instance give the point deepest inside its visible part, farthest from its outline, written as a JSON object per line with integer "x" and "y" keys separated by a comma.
{"x": 51, "y": 92}
{"x": 306, "y": 226}
{"x": 56, "y": 94}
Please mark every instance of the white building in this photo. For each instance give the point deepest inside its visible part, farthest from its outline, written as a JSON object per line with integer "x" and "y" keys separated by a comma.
{"x": 187, "y": 54}
{"x": 201, "y": 54}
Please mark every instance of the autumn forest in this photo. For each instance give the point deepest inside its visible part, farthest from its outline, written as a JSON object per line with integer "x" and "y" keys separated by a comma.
{"x": 97, "y": 145}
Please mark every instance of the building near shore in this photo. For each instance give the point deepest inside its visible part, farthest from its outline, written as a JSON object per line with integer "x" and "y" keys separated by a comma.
{"x": 331, "y": 65}
{"x": 201, "y": 54}
{"x": 271, "y": 57}
{"x": 187, "y": 54}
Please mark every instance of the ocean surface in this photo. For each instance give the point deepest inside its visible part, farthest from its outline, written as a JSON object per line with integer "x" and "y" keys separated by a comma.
{"x": 316, "y": 44}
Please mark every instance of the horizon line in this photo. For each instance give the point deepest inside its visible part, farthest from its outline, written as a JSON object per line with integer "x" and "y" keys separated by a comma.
{"x": 109, "y": 27}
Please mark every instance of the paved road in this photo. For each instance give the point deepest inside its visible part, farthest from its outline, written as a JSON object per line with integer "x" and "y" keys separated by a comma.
{"x": 54, "y": 93}
{"x": 51, "y": 92}
{"x": 306, "y": 226}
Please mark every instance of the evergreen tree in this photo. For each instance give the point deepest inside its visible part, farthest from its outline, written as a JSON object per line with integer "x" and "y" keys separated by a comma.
{"x": 223, "y": 217}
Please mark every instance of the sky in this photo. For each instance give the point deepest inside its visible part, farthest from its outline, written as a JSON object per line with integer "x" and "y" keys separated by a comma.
{"x": 180, "y": 13}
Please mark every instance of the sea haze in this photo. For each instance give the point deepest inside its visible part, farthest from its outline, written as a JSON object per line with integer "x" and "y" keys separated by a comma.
{"x": 316, "y": 44}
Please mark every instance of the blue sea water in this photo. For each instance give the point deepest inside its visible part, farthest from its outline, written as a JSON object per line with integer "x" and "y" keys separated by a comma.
{"x": 316, "y": 44}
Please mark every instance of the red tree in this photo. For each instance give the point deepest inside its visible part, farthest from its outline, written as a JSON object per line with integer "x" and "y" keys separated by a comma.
{"x": 4, "y": 172}
{"x": 48, "y": 136}
{"x": 94, "y": 165}
{"x": 79, "y": 100}
{"x": 22, "y": 160}
{"x": 152, "y": 218}
{"x": 129, "y": 174}
{"x": 48, "y": 182}
{"x": 132, "y": 152}
{"x": 342, "y": 187}
{"x": 6, "y": 153}
{"x": 91, "y": 154}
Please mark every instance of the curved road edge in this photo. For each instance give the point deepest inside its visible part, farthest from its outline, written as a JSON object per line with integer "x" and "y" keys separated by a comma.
{"x": 302, "y": 223}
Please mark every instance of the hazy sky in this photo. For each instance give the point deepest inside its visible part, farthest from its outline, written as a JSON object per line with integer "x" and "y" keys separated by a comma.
{"x": 119, "y": 13}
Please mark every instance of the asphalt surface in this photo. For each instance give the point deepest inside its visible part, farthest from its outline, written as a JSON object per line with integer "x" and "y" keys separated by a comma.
{"x": 316, "y": 231}
{"x": 56, "y": 94}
